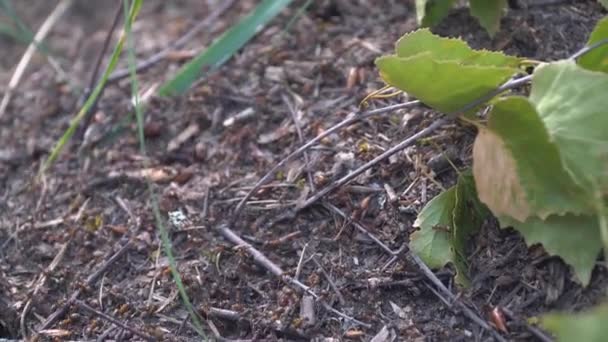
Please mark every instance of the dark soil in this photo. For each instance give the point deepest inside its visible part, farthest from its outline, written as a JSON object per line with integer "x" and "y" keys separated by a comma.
{"x": 59, "y": 231}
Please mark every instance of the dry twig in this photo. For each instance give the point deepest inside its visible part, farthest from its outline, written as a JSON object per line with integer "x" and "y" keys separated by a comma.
{"x": 113, "y": 320}
{"x": 354, "y": 117}
{"x": 43, "y": 31}
{"x": 262, "y": 260}
{"x": 90, "y": 281}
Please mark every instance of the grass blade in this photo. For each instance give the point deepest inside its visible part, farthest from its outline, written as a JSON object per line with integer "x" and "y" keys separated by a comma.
{"x": 17, "y": 30}
{"x": 224, "y": 47}
{"x": 90, "y": 100}
{"x": 166, "y": 241}
{"x": 297, "y": 15}
{"x": 43, "y": 31}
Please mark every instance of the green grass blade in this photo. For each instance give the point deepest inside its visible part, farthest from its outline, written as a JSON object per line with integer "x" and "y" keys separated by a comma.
{"x": 7, "y": 7}
{"x": 297, "y": 15}
{"x": 166, "y": 241}
{"x": 224, "y": 47}
{"x": 90, "y": 100}
{"x": 17, "y": 30}
{"x": 12, "y": 33}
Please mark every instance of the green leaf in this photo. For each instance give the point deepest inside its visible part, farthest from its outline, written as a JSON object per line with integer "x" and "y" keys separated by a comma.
{"x": 450, "y": 49}
{"x": 575, "y": 239}
{"x": 430, "y": 12}
{"x": 597, "y": 59}
{"x": 224, "y": 47}
{"x": 488, "y": 12}
{"x": 588, "y": 326}
{"x": 444, "y": 73}
{"x": 518, "y": 170}
{"x": 605, "y": 3}
{"x": 446, "y": 86}
{"x": 602, "y": 217}
{"x": 11, "y": 32}
{"x": 468, "y": 214}
{"x": 446, "y": 223}
{"x": 17, "y": 29}
{"x": 573, "y": 105}
{"x": 432, "y": 241}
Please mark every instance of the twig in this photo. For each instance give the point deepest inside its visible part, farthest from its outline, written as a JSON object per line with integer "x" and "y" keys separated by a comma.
{"x": 447, "y": 293}
{"x": 43, "y": 31}
{"x": 104, "y": 335}
{"x": 90, "y": 281}
{"x": 342, "y": 181}
{"x": 225, "y": 314}
{"x": 44, "y": 276}
{"x": 428, "y": 273}
{"x": 587, "y": 49}
{"x": 41, "y": 281}
{"x": 273, "y": 268}
{"x": 296, "y": 122}
{"x": 87, "y": 119}
{"x": 113, "y": 320}
{"x": 261, "y": 259}
{"x": 330, "y": 281}
{"x": 532, "y": 329}
{"x": 122, "y": 73}
{"x": 354, "y": 117}
{"x": 362, "y": 229}
{"x": 300, "y": 262}
{"x": 514, "y": 83}
{"x": 431, "y": 128}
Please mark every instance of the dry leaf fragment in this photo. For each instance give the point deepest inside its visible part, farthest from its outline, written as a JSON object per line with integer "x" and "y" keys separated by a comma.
{"x": 496, "y": 178}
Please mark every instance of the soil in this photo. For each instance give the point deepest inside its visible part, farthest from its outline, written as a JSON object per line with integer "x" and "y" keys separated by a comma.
{"x": 60, "y": 234}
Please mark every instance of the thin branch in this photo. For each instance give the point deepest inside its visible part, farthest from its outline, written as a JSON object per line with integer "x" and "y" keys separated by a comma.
{"x": 407, "y": 142}
{"x": 41, "y": 281}
{"x": 514, "y": 83}
{"x": 342, "y": 181}
{"x": 43, "y": 31}
{"x": 587, "y": 49}
{"x": 453, "y": 299}
{"x": 273, "y": 268}
{"x": 260, "y": 258}
{"x": 296, "y": 122}
{"x": 332, "y": 284}
{"x": 354, "y": 117}
{"x": 94, "y": 75}
{"x": 532, "y": 329}
{"x": 113, "y": 320}
{"x": 362, "y": 229}
{"x": 90, "y": 281}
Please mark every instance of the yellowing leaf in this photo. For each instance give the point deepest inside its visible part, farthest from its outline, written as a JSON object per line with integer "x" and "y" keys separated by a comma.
{"x": 518, "y": 170}
{"x": 496, "y": 177}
